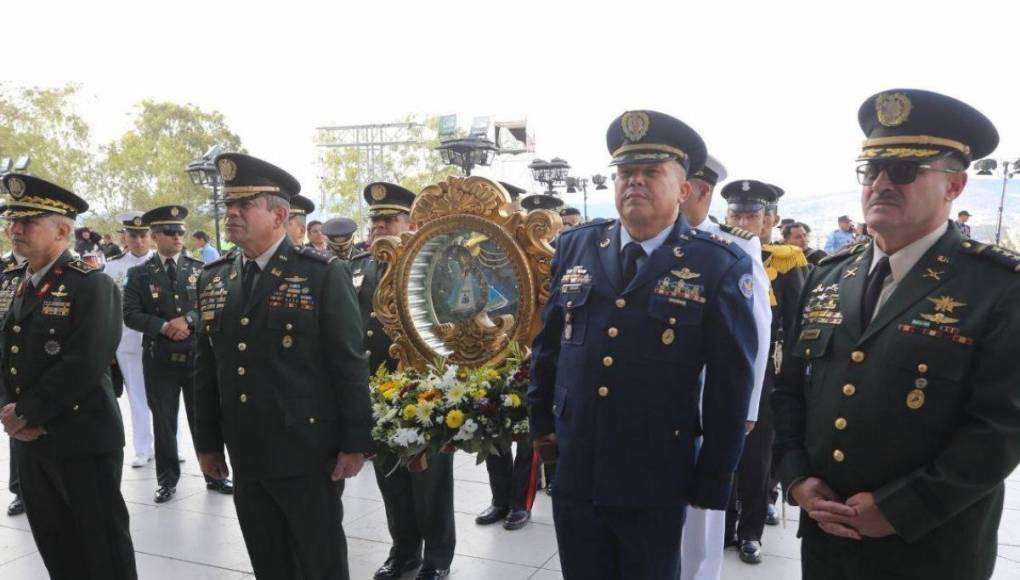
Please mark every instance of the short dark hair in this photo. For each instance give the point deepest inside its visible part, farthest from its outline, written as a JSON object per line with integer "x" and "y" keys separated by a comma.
{"x": 788, "y": 229}
{"x": 314, "y": 223}
{"x": 201, "y": 235}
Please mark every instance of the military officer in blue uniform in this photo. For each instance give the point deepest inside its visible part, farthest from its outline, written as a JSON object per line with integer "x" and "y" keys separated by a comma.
{"x": 161, "y": 302}
{"x": 339, "y": 234}
{"x": 897, "y": 415}
{"x": 638, "y": 307}
{"x": 281, "y": 380}
{"x": 61, "y": 323}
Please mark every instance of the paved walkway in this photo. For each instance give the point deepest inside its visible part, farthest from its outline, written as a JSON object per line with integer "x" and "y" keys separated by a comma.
{"x": 196, "y": 536}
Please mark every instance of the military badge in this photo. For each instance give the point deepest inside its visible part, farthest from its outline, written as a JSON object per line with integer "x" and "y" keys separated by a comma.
{"x": 893, "y": 109}
{"x": 56, "y": 308}
{"x": 16, "y": 187}
{"x": 678, "y": 252}
{"x": 747, "y": 285}
{"x": 685, "y": 274}
{"x": 288, "y": 341}
{"x": 679, "y": 291}
{"x": 357, "y": 280}
{"x": 746, "y": 186}
{"x": 604, "y": 243}
{"x": 175, "y": 212}
{"x": 668, "y": 336}
{"x": 59, "y": 292}
{"x": 276, "y": 272}
{"x": 635, "y": 125}
{"x": 933, "y": 274}
{"x": 52, "y": 347}
{"x": 137, "y": 221}
{"x": 915, "y": 399}
{"x": 227, "y": 169}
{"x": 378, "y": 192}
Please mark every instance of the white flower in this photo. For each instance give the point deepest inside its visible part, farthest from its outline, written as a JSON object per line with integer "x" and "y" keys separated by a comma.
{"x": 456, "y": 393}
{"x": 466, "y": 431}
{"x": 450, "y": 377}
{"x": 470, "y": 426}
{"x": 423, "y": 414}
{"x": 406, "y": 437}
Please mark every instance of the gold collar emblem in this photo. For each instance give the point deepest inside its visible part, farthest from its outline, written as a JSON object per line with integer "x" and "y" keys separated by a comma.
{"x": 946, "y": 304}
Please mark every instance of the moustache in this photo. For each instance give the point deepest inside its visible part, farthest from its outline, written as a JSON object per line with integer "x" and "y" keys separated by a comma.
{"x": 884, "y": 196}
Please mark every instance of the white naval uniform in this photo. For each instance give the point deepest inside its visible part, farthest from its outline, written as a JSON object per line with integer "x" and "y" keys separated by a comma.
{"x": 129, "y": 359}
{"x": 701, "y": 551}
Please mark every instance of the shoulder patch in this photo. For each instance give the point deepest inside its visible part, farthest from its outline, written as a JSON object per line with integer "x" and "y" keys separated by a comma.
{"x": 307, "y": 252}
{"x": 739, "y": 232}
{"x": 82, "y": 267}
{"x": 1004, "y": 257}
{"x": 17, "y": 267}
{"x": 846, "y": 252}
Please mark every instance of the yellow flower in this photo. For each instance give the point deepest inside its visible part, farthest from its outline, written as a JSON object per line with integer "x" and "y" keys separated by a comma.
{"x": 389, "y": 394}
{"x": 409, "y": 412}
{"x": 454, "y": 419}
{"x": 515, "y": 400}
{"x": 479, "y": 394}
{"x": 491, "y": 374}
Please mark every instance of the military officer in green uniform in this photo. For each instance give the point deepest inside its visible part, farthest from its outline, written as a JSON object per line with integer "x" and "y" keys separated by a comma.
{"x": 161, "y": 302}
{"x": 282, "y": 379}
{"x": 339, "y": 234}
{"x": 300, "y": 207}
{"x": 61, "y": 323}
{"x": 897, "y": 414}
{"x": 17, "y": 506}
{"x": 419, "y": 505}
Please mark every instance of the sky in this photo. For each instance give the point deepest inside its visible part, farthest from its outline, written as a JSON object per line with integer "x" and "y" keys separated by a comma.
{"x": 773, "y": 87}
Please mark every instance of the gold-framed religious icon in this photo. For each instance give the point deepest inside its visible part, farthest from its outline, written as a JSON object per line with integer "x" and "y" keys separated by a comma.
{"x": 470, "y": 281}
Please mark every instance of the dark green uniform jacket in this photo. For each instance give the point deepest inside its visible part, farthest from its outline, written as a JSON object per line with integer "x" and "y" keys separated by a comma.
{"x": 366, "y": 272}
{"x": 150, "y": 301}
{"x": 920, "y": 407}
{"x": 56, "y": 358}
{"x": 282, "y": 377}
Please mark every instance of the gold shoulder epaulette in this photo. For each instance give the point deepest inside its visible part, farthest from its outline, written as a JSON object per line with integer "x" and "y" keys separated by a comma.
{"x": 82, "y": 267}
{"x": 784, "y": 257}
{"x": 1002, "y": 256}
{"x": 843, "y": 253}
{"x": 739, "y": 232}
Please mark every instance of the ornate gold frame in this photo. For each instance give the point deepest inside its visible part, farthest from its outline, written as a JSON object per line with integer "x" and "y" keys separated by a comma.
{"x": 483, "y": 206}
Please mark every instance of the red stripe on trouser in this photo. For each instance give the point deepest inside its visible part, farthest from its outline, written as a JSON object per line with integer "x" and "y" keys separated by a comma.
{"x": 529, "y": 498}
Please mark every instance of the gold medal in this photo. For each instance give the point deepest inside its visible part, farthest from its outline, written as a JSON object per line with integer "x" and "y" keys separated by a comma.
{"x": 288, "y": 341}
{"x": 668, "y": 336}
{"x": 915, "y": 399}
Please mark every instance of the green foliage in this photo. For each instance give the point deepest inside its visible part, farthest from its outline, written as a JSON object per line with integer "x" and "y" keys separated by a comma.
{"x": 144, "y": 168}
{"x": 43, "y": 123}
{"x": 412, "y": 166}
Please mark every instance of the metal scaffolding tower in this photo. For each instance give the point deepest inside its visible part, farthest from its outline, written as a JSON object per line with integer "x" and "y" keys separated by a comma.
{"x": 371, "y": 142}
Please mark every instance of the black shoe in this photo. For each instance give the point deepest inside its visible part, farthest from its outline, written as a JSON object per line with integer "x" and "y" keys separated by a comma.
{"x": 750, "y": 551}
{"x": 223, "y": 486}
{"x": 731, "y": 541}
{"x": 17, "y": 507}
{"x": 165, "y": 493}
{"x": 392, "y": 569}
{"x": 517, "y": 519}
{"x": 772, "y": 518}
{"x": 491, "y": 515}
{"x": 432, "y": 574}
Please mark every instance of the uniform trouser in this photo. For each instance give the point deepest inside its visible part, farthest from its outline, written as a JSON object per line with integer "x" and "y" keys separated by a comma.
{"x": 293, "y": 527}
{"x": 616, "y": 543}
{"x": 750, "y": 498}
{"x": 78, "y": 516}
{"x": 512, "y": 478}
{"x": 130, "y": 364}
{"x": 164, "y": 385}
{"x": 701, "y": 550}
{"x": 13, "y": 481}
{"x": 419, "y": 509}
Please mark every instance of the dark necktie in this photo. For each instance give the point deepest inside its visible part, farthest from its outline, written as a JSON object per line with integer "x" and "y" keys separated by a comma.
{"x": 171, "y": 271}
{"x": 631, "y": 253}
{"x": 873, "y": 289}
{"x": 251, "y": 274}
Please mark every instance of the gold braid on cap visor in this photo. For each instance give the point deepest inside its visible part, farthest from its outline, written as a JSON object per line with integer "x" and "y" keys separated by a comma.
{"x": 645, "y": 147}
{"x": 41, "y": 204}
{"x": 918, "y": 140}
{"x": 244, "y": 191}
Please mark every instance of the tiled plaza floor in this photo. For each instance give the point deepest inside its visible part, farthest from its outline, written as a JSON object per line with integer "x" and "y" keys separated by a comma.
{"x": 196, "y": 536}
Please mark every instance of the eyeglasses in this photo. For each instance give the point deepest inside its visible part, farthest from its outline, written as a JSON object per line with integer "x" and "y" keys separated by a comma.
{"x": 898, "y": 172}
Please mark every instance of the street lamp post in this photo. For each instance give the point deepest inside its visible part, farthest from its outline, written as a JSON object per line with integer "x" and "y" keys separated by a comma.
{"x": 550, "y": 173}
{"x": 467, "y": 152}
{"x": 1009, "y": 169}
{"x": 574, "y": 182}
{"x": 203, "y": 172}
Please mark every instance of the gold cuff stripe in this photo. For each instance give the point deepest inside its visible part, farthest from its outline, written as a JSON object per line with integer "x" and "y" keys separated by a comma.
{"x": 917, "y": 140}
{"x": 650, "y": 147}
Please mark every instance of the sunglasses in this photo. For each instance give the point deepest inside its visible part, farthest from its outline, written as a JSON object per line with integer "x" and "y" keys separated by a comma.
{"x": 898, "y": 172}
{"x": 171, "y": 232}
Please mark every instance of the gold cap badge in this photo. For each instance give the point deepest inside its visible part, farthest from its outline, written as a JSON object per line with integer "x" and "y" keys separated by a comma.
{"x": 635, "y": 125}
{"x": 893, "y": 109}
{"x": 16, "y": 187}
{"x": 378, "y": 192}
{"x": 137, "y": 221}
{"x": 228, "y": 169}
{"x": 175, "y": 212}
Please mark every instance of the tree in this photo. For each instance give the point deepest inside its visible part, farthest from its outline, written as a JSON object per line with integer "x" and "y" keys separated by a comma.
{"x": 144, "y": 168}
{"x": 43, "y": 123}
{"x": 413, "y": 166}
